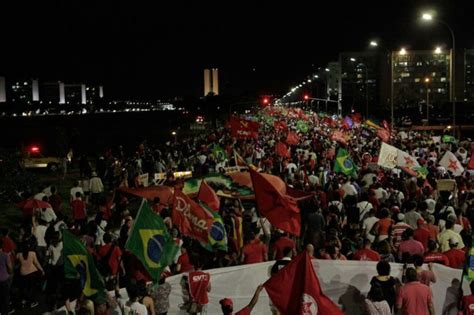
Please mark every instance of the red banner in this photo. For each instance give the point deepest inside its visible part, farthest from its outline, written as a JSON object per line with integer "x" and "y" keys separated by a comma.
{"x": 280, "y": 125}
{"x": 191, "y": 218}
{"x": 241, "y": 128}
{"x": 292, "y": 138}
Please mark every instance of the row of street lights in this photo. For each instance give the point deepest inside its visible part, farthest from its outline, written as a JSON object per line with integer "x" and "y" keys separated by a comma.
{"x": 426, "y": 17}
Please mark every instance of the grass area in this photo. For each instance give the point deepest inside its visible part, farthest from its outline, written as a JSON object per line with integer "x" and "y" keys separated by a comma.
{"x": 11, "y": 216}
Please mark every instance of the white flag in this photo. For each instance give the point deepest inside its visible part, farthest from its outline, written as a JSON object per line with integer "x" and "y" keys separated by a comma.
{"x": 387, "y": 156}
{"x": 451, "y": 163}
{"x": 406, "y": 160}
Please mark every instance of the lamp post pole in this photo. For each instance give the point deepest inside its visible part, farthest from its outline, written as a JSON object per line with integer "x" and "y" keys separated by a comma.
{"x": 429, "y": 17}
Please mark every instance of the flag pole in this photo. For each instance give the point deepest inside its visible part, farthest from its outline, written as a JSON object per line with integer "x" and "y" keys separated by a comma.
{"x": 137, "y": 216}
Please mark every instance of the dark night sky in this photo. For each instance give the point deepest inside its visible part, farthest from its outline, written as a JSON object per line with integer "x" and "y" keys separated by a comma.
{"x": 152, "y": 49}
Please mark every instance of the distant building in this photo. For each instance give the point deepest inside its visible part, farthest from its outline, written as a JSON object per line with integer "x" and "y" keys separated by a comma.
{"x": 469, "y": 75}
{"x": 362, "y": 81}
{"x": 411, "y": 69}
{"x": 75, "y": 93}
{"x": 333, "y": 80}
{"x": 94, "y": 94}
{"x": 211, "y": 81}
{"x": 21, "y": 92}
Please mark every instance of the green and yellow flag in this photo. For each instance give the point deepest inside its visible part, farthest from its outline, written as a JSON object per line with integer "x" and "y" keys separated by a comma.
{"x": 344, "y": 164}
{"x": 217, "y": 233}
{"x": 150, "y": 241}
{"x": 78, "y": 264}
{"x": 468, "y": 269}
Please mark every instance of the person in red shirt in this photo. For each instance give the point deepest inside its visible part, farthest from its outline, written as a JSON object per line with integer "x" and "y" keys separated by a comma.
{"x": 432, "y": 256}
{"x": 432, "y": 228}
{"x": 456, "y": 256}
{"x": 8, "y": 244}
{"x": 424, "y": 276}
{"x": 414, "y": 297}
{"x": 422, "y": 234}
{"x": 227, "y": 305}
{"x": 466, "y": 302}
{"x": 183, "y": 264}
{"x": 199, "y": 286}
{"x": 113, "y": 253}
{"x": 366, "y": 253}
{"x": 79, "y": 211}
{"x": 280, "y": 244}
{"x": 409, "y": 247}
{"x": 254, "y": 251}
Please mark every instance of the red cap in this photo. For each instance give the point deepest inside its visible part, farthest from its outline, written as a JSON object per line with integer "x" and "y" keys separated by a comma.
{"x": 226, "y": 302}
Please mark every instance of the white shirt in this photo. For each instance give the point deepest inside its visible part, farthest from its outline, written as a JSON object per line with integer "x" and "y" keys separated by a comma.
{"x": 367, "y": 226}
{"x": 39, "y": 196}
{"x": 336, "y": 203}
{"x": 40, "y": 232}
{"x": 313, "y": 179}
{"x": 74, "y": 190}
{"x": 381, "y": 194}
{"x": 55, "y": 253}
{"x": 138, "y": 309}
{"x": 202, "y": 159}
{"x": 349, "y": 190}
{"x": 364, "y": 208}
{"x": 48, "y": 215}
{"x": 291, "y": 167}
{"x": 95, "y": 185}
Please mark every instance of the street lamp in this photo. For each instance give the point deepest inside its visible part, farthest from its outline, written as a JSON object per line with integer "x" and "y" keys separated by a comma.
{"x": 437, "y": 50}
{"x": 402, "y": 51}
{"x": 173, "y": 133}
{"x": 374, "y": 43}
{"x": 428, "y": 17}
{"x": 427, "y": 82}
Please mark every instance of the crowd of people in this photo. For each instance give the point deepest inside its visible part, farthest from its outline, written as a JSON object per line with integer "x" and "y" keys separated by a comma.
{"x": 373, "y": 214}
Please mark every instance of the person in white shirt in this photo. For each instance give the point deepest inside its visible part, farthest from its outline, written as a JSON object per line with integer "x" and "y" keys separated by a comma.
{"x": 380, "y": 193}
{"x": 77, "y": 188}
{"x": 136, "y": 307}
{"x": 39, "y": 231}
{"x": 368, "y": 224}
{"x": 364, "y": 206}
{"x": 349, "y": 189}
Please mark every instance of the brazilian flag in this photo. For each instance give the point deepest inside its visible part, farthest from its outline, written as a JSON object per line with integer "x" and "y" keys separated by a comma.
{"x": 78, "y": 264}
{"x": 219, "y": 153}
{"x": 468, "y": 269}
{"x": 150, "y": 241}
{"x": 302, "y": 126}
{"x": 217, "y": 233}
{"x": 448, "y": 139}
{"x": 344, "y": 163}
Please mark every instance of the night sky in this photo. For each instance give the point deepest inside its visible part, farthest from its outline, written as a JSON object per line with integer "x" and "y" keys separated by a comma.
{"x": 153, "y": 50}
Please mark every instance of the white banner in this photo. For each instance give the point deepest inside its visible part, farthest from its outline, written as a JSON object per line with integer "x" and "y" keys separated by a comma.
{"x": 387, "y": 156}
{"x": 143, "y": 178}
{"x": 342, "y": 281}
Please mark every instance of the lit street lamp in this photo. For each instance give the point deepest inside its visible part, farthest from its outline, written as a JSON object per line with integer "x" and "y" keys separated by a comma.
{"x": 374, "y": 43}
{"x": 428, "y": 17}
{"x": 175, "y": 134}
{"x": 427, "y": 81}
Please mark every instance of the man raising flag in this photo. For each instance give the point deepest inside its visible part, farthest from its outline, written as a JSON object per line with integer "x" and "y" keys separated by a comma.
{"x": 295, "y": 290}
{"x": 150, "y": 241}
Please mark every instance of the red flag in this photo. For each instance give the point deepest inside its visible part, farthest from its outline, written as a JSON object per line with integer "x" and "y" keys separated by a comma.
{"x": 241, "y": 128}
{"x": 282, "y": 150}
{"x": 190, "y": 217}
{"x": 295, "y": 290}
{"x": 470, "y": 165}
{"x": 339, "y": 137}
{"x": 209, "y": 196}
{"x": 292, "y": 138}
{"x": 280, "y": 209}
{"x": 280, "y": 125}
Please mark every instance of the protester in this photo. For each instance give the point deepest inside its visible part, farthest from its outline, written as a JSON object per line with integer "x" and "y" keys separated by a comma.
{"x": 384, "y": 281}
{"x": 6, "y": 270}
{"x": 414, "y": 297}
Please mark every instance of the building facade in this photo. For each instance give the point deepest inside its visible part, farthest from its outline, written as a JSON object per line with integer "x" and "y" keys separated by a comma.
{"x": 363, "y": 82}
{"x": 419, "y": 76}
